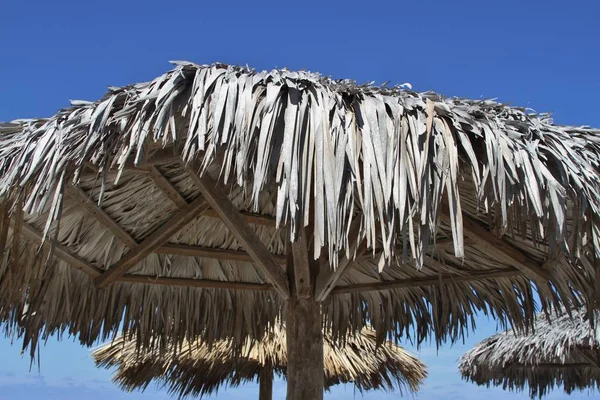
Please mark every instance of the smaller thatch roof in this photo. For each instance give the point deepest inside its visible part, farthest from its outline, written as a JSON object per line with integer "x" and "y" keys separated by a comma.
{"x": 197, "y": 369}
{"x": 563, "y": 350}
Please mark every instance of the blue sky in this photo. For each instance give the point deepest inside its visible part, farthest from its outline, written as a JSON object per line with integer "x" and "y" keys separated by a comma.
{"x": 538, "y": 54}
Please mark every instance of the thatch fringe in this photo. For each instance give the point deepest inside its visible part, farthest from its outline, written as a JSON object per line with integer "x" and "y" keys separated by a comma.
{"x": 563, "y": 351}
{"x": 197, "y": 369}
{"x": 332, "y": 147}
{"x": 407, "y": 168}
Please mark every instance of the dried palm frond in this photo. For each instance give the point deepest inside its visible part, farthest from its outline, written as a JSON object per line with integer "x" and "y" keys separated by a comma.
{"x": 199, "y": 369}
{"x": 461, "y": 204}
{"x": 563, "y": 351}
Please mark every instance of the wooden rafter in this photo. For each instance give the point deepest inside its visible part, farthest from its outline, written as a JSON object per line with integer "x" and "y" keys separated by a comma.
{"x": 328, "y": 279}
{"x": 239, "y": 227}
{"x": 250, "y": 218}
{"x": 84, "y": 200}
{"x": 418, "y": 282}
{"x": 153, "y": 242}
{"x": 166, "y": 187}
{"x": 488, "y": 242}
{"x": 174, "y": 249}
{"x": 169, "y": 190}
{"x": 61, "y": 252}
{"x": 209, "y": 252}
{"x": 64, "y": 254}
{"x": 195, "y": 283}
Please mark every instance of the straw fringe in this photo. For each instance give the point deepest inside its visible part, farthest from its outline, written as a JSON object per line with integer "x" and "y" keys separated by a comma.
{"x": 197, "y": 369}
{"x": 558, "y": 353}
{"x": 404, "y": 167}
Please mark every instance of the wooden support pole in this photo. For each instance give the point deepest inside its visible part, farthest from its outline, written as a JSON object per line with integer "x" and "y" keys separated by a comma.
{"x": 305, "y": 376}
{"x": 265, "y": 383}
{"x": 301, "y": 266}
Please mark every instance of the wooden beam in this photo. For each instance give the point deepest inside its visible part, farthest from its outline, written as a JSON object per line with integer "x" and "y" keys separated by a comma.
{"x": 166, "y": 187}
{"x": 169, "y": 190}
{"x": 61, "y": 252}
{"x": 492, "y": 244}
{"x": 152, "y": 242}
{"x": 84, "y": 200}
{"x": 64, "y": 254}
{"x": 236, "y": 223}
{"x": 419, "y": 282}
{"x": 328, "y": 278}
{"x": 265, "y": 382}
{"x": 157, "y": 156}
{"x": 195, "y": 283}
{"x": 250, "y": 218}
{"x": 210, "y": 252}
{"x": 176, "y": 249}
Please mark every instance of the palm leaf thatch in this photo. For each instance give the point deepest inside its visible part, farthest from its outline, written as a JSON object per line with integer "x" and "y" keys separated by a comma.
{"x": 199, "y": 369}
{"x": 179, "y": 196}
{"x": 563, "y": 350}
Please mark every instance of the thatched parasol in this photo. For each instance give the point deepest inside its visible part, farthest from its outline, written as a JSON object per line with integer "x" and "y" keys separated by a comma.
{"x": 216, "y": 200}
{"x": 199, "y": 369}
{"x": 563, "y": 350}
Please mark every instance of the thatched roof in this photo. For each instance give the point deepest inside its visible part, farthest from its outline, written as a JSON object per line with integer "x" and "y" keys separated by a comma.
{"x": 563, "y": 350}
{"x": 422, "y": 210}
{"x": 199, "y": 369}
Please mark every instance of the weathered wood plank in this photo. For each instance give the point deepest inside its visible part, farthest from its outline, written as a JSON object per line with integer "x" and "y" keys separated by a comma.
{"x": 84, "y": 200}
{"x": 196, "y": 283}
{"x": 256, "y": 219}
{"x": 166, "y": 187}
{"x": 489, "y": 242}
{"x": 154, "y": 241}
{"x": 61, "y": 252}
{"x": 419, "y": 282}
{"x": 238, "y": 226}
{"x": 265, "y": 383}
{"x": 328, "y": 279}
{"x": 209, "y": 252}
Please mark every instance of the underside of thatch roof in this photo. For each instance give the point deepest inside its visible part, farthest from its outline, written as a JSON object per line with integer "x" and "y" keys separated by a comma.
{"x": 198, "y": 369}
{"x": 167, "y": 200}
{"x": 564, "y": 350}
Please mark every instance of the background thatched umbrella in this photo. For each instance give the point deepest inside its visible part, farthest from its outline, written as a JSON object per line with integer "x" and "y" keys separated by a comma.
{"x": 216, "y": 200}
{"x": 199, "y": 369}
{"x": 563, "y": 350}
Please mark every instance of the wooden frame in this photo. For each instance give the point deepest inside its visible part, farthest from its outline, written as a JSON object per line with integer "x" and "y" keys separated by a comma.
{"x": 232, "y": 218}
